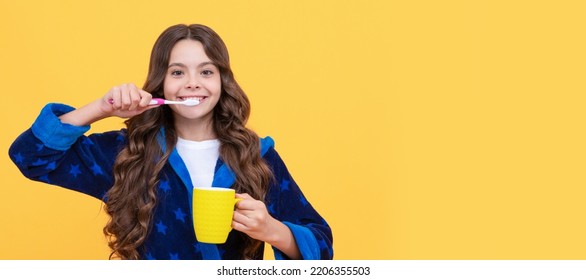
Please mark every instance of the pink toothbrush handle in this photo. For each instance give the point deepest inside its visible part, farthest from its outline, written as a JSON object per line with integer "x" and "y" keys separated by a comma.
{"x": 157, "y": 101}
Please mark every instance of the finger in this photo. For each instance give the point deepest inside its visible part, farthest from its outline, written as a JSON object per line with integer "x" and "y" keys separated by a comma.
{"x": 249, "y": 214}
{"x": 252, "y": 205}
{"x": 116, "y": 104}
{"x": 240, "y": 218}
{"x": 125, "y": 96}
{"x": 246, "y": 204}
{"x": 244, "y": 196}
{"x": 145, "y": 98}
{"x": 134, "y": 97}
{"x": 239, "y": 227}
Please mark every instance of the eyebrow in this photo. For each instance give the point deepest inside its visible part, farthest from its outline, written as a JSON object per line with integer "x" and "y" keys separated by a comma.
{"x": 198, "y": 66}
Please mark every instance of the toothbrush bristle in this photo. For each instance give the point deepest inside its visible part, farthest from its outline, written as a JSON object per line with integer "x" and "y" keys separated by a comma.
{"x": 191, "y": 102}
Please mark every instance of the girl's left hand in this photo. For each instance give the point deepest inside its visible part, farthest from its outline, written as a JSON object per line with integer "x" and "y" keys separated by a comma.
{"x": 251, "y": 217}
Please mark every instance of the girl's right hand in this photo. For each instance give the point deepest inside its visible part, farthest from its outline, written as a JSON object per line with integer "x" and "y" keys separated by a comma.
{"x": 126, "y": 101}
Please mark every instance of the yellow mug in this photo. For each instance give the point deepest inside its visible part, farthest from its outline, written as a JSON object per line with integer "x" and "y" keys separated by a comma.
{"x": 213, "y": 209}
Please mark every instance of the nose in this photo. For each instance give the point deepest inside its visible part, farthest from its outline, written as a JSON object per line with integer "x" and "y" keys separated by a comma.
{"x": 192, "y": 83}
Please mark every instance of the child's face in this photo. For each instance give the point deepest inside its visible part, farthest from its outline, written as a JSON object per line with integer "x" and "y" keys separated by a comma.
{"x": 191, "y": 74}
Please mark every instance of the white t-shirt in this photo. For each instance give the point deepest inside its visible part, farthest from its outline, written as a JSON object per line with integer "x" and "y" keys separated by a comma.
{"x": 200, "y": 159}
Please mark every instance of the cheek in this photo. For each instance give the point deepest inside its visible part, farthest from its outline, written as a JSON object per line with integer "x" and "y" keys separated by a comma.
{"x": 169, "y": 87}
{"x": 218, "y": 86}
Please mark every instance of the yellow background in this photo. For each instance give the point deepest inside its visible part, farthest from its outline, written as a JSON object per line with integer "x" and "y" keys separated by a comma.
{"x": 419, "y": 129}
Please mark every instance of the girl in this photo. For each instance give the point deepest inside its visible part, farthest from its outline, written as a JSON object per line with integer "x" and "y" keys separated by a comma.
{"x": 145, "y": 173}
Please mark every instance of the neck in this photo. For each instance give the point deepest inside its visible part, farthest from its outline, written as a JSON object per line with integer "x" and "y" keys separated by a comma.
{"x": 195, "y": 130}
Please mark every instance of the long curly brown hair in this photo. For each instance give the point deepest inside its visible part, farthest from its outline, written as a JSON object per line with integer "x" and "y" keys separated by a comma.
{"x": 133, "y": 197}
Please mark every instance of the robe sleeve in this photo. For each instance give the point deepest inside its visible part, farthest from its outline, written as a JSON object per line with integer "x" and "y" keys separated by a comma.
{"x": 60, "y": 154}
{"x": 287, "y": 204}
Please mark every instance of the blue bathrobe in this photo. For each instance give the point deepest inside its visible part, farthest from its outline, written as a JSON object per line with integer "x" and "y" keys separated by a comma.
{"x": 60, "y": 154}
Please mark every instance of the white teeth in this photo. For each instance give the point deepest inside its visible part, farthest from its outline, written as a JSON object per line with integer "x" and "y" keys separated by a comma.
{"x": 192, "y": 98}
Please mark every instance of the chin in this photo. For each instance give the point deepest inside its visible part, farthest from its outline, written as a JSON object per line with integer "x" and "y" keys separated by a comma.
{"x": 193, "y": 115}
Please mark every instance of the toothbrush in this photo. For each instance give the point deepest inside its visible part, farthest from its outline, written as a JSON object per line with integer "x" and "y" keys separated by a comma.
{"x": 161, "y": 101}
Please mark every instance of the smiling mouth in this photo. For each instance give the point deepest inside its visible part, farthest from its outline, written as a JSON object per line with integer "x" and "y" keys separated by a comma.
{"x": 198, "y": 98}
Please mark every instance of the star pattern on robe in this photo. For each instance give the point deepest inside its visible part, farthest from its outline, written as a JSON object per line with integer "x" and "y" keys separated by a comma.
{"x": 74, "y": 170}
{"x": 285, "y": 185}
{"x": 303, "y": 201}
{"x": 40, "y": 147}
{"x": 18, "y": 158}
{"x": 173, "y": 256}
{"x": 97, "y": 170}
{"x": 39, "y": 162}
{"x": 164, "y": 186}
{"x": 161, "y": 228}
{"x": 45, "y": 178}
{"x": 179, "y": 215}
{"x": 272, "y": 208}
{"x": 197, "y": 250}
{"x": 51, "y": 166}
{"x": 149, "y": 256}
